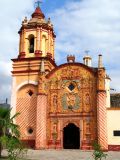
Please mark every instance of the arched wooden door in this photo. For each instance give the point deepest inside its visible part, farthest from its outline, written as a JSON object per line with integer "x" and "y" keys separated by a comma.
{"x": 71, "y": 137}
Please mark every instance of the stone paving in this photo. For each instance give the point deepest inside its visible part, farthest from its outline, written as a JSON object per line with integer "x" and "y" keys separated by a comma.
{"x": 66, "y": 155}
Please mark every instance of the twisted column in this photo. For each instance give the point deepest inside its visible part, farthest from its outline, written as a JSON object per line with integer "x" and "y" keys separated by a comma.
{"x": 102, "y": 119}
{"x": 41, "y": 122}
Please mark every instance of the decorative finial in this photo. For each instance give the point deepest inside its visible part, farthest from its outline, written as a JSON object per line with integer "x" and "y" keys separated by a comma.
{"x": 38, "y": 3}
{"x": 100, "y": 64}
{"x": 25, "y": 20}
{"x": 71, "y": 59}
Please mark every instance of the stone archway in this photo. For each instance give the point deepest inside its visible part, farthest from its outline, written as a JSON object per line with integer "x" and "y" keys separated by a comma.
{"x": 71, "y": 137}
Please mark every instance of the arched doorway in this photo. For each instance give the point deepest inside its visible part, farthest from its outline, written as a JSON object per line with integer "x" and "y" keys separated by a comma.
{"x": 71, "y": 137}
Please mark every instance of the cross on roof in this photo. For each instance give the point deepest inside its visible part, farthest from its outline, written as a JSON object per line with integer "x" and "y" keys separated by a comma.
{"x": 87, "y": 52}
{"x": 38, "y": 3}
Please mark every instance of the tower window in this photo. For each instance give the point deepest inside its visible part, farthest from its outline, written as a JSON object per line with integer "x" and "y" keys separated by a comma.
{"x": 31, "y": 44}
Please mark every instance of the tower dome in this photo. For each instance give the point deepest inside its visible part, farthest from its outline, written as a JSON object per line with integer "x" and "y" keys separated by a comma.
{"x": 38, "y": 13}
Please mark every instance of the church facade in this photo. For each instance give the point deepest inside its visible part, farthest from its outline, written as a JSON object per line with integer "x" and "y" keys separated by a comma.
{"x": 61, "y": 106}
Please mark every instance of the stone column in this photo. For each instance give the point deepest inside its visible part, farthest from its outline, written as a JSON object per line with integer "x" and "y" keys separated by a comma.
{"x": 81, "y": 133}
{"x": 38, "y": 53}
{"x": 48, "y": 41}
{"x": 102, "y": 120}
{"x": 53, "y": 48}
{"x": 101, "y": 109}
{"x": 38, "y": 39}
{"x": 41, "y": 122}
{"x": 24, "y": 40}
{"x": 20, "y": 43}
{"x": 86, "y": 142}
{"x": 58, "y": 132}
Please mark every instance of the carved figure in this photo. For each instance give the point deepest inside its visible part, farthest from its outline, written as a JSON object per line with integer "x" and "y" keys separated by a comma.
{"x": 71, "y": 99}
{"x": 55, "y": 101}
{"x": 87, "y": 99}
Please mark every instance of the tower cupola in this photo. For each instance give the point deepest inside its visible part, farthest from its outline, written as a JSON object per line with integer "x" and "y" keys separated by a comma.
{"x": 87, "y": 60}
{"x": 37, "y": 36}
{"x": 38, "y": 14}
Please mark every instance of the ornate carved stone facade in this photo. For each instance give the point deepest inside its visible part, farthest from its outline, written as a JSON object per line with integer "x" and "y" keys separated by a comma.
{"x": 57, "y": 103}
{"x": 71, "y": 91}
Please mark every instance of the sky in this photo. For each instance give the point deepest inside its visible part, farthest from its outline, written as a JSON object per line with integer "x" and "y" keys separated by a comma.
{"x": 79, "y": 25}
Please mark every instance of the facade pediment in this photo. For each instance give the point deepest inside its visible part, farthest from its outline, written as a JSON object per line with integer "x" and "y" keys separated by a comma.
{"x": 72, "y": 69}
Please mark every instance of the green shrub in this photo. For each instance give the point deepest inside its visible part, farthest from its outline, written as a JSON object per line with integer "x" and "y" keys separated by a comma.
{"x": 98, "y": 154}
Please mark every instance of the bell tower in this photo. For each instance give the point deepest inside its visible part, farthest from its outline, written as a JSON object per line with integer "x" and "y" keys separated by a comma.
{"x": 37, "y": 36}
{"x": 35, "y": 60}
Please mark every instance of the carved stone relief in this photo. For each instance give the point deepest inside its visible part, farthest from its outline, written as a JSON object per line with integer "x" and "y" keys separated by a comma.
{"x": 69, "y": 92}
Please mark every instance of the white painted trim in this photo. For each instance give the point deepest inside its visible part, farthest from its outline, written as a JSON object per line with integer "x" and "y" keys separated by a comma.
{"x": 25, "y": 83}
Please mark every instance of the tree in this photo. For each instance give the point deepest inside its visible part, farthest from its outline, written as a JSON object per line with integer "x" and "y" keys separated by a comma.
{"x": 0, "y": 142}
{"x": 3, "y": 114}
{"x": 9, "y": 136}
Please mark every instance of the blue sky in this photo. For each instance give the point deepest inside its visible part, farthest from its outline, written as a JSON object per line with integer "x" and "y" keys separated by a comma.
{"x": 49, "y": 6}
{"x": 79, "y": 25}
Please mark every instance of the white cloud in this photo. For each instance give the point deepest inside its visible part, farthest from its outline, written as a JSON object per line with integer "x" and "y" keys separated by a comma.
{"x": 11, "y": 14}
{"x": 90, "y": 25}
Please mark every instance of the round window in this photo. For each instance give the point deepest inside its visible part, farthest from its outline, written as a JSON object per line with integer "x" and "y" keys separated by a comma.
{"x": 30, "y": 92}
{"x": 30, "y": 130}
{"x": 71, "y": 87}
